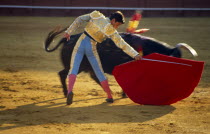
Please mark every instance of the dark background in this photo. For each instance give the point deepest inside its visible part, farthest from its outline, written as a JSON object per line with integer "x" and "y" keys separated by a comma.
{"x": 106, "y": 3}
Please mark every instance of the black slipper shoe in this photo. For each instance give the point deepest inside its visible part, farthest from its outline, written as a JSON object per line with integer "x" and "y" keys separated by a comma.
{"x": 110, "y": 100}
{"x": 69, "y": 98}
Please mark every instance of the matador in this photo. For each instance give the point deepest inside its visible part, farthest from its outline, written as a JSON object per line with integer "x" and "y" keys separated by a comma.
{"x": 97, "y": 29}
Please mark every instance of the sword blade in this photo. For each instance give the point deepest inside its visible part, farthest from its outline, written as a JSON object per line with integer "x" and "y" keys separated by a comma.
{"x": 166, "y": 61}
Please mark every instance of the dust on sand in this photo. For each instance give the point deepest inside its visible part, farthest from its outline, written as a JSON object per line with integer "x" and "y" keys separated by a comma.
{"x": 33, "y": 102}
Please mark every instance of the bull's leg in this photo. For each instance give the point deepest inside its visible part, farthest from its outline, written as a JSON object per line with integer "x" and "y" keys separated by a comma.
{"x": 124, "y": 94}
{"x": 63, "y": 74}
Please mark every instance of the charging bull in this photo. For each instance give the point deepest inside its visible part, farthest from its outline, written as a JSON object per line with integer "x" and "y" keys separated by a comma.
{"x": 109, "y": 53}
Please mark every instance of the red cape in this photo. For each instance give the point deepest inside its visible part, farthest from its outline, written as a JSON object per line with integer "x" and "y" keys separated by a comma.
{"x": 158, "y": 79}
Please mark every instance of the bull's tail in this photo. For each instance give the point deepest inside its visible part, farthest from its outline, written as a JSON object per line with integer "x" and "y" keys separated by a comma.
{"x": 187, "y": 47}
{"x": 51, "y": 36}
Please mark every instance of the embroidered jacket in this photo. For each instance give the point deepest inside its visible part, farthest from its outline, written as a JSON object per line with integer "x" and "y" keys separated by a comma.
{"x": 100, "y": 28}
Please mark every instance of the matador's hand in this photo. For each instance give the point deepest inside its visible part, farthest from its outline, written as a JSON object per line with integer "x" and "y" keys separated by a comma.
{"x": 137, "y": 57}
{"x": 67, "y": 36}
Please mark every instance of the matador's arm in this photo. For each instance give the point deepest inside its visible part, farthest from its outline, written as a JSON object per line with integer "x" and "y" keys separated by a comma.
{"x": 77, "y": 23}
{"x": 119, "y": 41}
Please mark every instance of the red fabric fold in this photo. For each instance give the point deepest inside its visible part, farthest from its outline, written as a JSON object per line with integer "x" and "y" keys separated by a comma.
{"x": 158, "y": 79}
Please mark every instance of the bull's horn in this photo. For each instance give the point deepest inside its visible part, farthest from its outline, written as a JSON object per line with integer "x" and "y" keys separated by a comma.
{"x": 187, "y": 47}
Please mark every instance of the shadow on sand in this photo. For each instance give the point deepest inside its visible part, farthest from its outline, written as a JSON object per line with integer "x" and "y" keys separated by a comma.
{"x": 44, "y": 113}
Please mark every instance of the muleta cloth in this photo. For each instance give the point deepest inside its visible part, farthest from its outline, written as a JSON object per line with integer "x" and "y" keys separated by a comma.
{"x": 158, "y": 79}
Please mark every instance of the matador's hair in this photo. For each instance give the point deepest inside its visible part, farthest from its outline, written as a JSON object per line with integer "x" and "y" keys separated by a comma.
{"x": 118, "y": 16}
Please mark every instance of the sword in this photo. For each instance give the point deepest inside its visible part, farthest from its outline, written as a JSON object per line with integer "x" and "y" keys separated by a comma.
{"x": 165, "y": 61}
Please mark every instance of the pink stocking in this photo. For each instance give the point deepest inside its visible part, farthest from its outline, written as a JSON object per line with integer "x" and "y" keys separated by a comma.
{"x": 72, "y": 79}
{"x": 106, "y": 88}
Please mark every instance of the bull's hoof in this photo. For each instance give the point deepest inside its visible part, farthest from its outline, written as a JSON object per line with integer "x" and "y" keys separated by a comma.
{"x": 65, "y": 93}
{"x": 124, "y": 95}
{"x": 110, "y": 100}
{"x": 70, "y": 98}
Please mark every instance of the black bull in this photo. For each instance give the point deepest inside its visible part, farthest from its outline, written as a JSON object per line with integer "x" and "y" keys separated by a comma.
{"x": 109, "y": 54}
